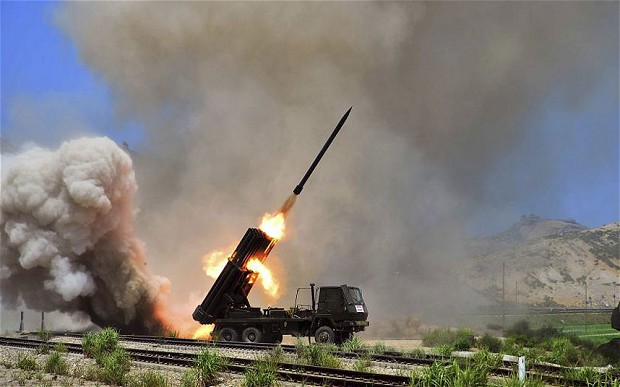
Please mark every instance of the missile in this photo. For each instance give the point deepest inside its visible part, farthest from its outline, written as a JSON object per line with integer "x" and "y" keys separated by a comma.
{"x": 316, "y": 161}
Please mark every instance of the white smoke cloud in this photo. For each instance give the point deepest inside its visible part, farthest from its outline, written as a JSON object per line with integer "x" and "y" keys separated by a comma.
{"x": 67, "y": 236}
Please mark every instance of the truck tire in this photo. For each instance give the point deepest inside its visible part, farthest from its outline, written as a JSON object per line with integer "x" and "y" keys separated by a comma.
{"x": 228, "y": 334}
{"x": 343, "y": 337}
{"x": 324, "y": 335}
{"x": 251, "y": 335}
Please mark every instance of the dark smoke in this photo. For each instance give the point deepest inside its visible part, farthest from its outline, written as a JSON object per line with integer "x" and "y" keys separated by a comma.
{"x": 238, "y": 97}
{"x": 67, "y": 238}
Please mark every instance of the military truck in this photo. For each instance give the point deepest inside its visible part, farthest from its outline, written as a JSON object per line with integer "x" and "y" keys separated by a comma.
{"x": 339, "y": 312}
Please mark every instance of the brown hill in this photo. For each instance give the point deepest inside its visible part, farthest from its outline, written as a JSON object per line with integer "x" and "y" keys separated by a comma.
{"x": 548, "y": 262}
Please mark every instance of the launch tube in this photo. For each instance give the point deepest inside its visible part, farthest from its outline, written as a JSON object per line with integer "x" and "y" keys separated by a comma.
{"x": 316, "y": 161}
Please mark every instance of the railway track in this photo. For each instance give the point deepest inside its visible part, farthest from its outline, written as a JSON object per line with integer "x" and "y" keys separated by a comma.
{"x": 552, "y": 374}
{"x": 286, "y": 371}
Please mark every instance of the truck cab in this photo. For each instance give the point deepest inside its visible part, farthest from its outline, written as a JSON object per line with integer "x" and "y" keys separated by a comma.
{"x": 340, "y": 312}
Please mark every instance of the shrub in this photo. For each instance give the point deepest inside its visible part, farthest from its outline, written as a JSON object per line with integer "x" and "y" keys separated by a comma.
{"x": 44, "y": 335}
{"x": 56, "y": 364}
{"x": 208, "y": 365}
{"x": 114, "y": 366}
{"x": 464, "y": 339}
{"x": 490, "y": 343}
{"x": 104, "y": 344}
{"x": 27, "y": 362}
{"x": 437, "y": 337}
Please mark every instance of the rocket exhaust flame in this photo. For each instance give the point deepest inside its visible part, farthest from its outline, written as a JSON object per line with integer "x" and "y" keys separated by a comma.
{"x": 273, "y": 225}
{"x": 269, "y": 284}
{"x": 204, "y": 332}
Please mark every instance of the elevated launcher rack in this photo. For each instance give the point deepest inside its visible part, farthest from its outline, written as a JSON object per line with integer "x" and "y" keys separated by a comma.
{"x": 234, "y": 283}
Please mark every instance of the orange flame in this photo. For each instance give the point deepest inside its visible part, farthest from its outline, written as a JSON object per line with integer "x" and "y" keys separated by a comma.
{"x": 204, "y": 332}
{"x": 266, "y": 278}
{"x": 213, "y": 263}
{"x": 273, "y": 225}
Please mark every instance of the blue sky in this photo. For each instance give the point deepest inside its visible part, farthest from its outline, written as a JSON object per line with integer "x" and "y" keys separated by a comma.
{"x": 44, "y": 81}
{"x": 41, "y": 68}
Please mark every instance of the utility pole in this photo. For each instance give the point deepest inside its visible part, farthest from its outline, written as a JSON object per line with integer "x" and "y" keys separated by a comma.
{"x": 585, "y": 312}
{"x": 516, "y": 293}
{"x": 504, "y": 295}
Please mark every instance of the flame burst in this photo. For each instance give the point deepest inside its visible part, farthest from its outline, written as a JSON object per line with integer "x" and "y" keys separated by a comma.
{"x": 273, "y": 225}
{"x": 213, "y": 263}
{"x": 204, "y": 332}
{"x": 266, "y": 278}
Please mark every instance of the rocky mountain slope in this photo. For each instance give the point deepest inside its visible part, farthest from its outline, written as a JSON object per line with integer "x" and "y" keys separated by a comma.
{"x": 548, "y": 262}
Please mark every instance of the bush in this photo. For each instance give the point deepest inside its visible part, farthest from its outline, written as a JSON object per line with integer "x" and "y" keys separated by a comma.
{"x": 56, "y": 364}
{"x": 114, "y": 366}
{"x": 208, "y": 365}
{"x": 104, "y": 344}
{"x": 44, "y": 335}
{"x": 490, "y": 343}
{"x": 27, "y": 362}
{"x": 464, "y": 339}
{"x": 437, "y": 337}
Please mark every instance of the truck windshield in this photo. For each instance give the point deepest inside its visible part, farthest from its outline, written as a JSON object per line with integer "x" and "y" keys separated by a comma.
{"x": 356, "y": 295}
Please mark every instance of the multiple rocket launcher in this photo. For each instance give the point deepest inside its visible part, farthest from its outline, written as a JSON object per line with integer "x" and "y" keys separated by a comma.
{"x": 234, "y": 283}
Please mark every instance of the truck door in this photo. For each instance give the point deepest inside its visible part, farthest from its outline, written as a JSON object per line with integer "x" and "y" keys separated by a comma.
{"x": 331, "y": 301}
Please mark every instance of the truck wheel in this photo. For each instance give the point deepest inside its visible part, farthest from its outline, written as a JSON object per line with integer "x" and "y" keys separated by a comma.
{"x": 251, "y": 335}
{"x": 227, "y": 334}
{"x": 324, "y": 335}
{"x": 343, "y": 337}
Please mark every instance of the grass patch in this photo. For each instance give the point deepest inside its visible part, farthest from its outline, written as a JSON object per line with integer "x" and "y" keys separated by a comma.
{"x": 454, "y": 374}
{"x": 354, "y": 344}
{"x": 490, "y": 343}
{"x": 318, "y": 355}
{"x": 114, "y": 366}
{"x": 56, "y": 364}
{"x": 27, "y": 362}
{"x": 363, "y": 363}
{"x": 207, "y": 366}
{"x": 149, "y": 378}
{"x": 262, "y": 373}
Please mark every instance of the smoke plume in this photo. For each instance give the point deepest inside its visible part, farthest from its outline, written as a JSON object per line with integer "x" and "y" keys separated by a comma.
{"x": 237, "y": 99}
{"x": 67, "y": 237}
